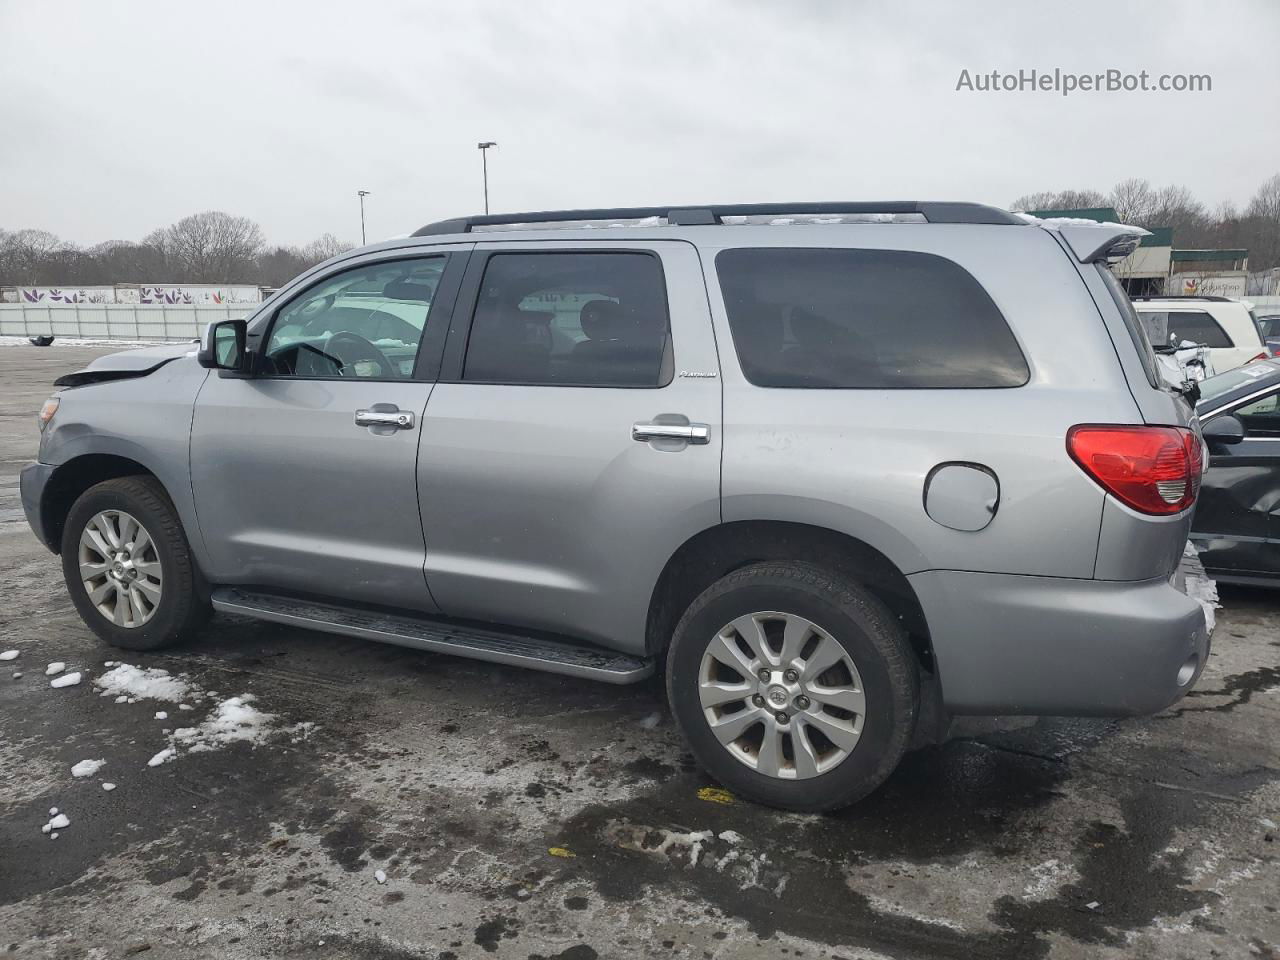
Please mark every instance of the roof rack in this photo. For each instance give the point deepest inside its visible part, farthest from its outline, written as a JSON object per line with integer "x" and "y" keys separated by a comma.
{"x": 1182, "y": 296}
{"x": 712, "y": 214}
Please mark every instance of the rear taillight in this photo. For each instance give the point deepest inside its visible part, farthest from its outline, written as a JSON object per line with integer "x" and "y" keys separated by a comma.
{"x": 1152, "y": 469}
{"x": 1262, "y": 356}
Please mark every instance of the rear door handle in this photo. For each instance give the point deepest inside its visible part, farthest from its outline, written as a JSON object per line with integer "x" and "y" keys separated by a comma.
{"x": 688, "y": 432}
{"x": 400, "y": 419}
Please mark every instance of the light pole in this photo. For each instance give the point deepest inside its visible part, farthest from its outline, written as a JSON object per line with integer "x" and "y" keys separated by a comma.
{"x": 362, "y": 194}
{"x": 484, "y": 146}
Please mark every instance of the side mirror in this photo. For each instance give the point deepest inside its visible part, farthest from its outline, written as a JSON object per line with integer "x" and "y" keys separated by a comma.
{"x": 1226, "y": 429}
{"x": 223, "y": 346}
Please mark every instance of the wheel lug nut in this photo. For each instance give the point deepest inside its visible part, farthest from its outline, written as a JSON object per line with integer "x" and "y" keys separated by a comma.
{"x": 781, "y": 717}
{"x": 765, "y": 676}
{"x": 791, "y": 676}
{"x": 802, "y": 703}
{"x": 758, "y": 700}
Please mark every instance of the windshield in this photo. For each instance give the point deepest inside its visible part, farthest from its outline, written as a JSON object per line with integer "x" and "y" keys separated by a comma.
{"x": 1224, "y": 383}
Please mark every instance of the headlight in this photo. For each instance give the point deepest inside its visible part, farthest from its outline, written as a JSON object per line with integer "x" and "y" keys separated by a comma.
{"x": 47, "y": 411}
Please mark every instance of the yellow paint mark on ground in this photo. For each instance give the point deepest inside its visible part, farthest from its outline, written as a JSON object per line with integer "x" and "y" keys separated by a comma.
{"x": 561, "y": 852}
{"x": 715, "y": 795}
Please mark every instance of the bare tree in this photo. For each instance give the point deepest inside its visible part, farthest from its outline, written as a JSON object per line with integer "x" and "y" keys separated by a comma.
{"x": 1060, "y": 200}
{"x": 1134, "y": 200}
{"x": 25, "y": 255}
{"x": 1266, "y": 202}
{"x": 211, "y": 247}
{"x": 324, "y": 247}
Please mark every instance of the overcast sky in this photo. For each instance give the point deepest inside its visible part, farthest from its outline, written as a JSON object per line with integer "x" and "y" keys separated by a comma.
{"x": 118, "y": 118}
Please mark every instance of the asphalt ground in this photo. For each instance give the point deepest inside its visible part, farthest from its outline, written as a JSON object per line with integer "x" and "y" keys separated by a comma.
{"x": 523, "y": 815}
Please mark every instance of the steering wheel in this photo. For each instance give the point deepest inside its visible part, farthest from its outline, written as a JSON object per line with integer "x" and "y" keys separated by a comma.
{"x": 351, "y": 348}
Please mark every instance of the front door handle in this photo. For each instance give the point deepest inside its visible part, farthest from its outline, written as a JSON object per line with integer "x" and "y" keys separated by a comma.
{"x": 400, "y": 419}
{"x": 688, "y": 432}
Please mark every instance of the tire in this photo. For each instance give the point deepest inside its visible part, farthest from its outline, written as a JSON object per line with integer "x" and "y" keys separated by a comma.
{"x": 826, "y": 773}
{"x": 179, "y": 610}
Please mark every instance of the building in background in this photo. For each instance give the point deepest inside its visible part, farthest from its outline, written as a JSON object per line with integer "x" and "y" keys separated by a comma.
{"x": 1209, "y": 273}
{"x": 1158, "y": 268}
{"x": 1145, "y": 271}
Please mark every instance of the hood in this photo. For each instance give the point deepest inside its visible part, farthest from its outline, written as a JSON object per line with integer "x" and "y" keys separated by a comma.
{"x": 147, "y": 358}
{"x": 127, "y": 364}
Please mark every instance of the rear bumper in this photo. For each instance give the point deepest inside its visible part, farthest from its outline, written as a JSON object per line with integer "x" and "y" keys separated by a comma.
{"x": 31, "y": 483}
{"x": 1009, "y": 644}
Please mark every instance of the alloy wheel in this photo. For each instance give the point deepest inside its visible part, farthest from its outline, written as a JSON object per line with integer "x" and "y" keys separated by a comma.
{"x": 120, "y": 568}
{"x": 781, "y": 695}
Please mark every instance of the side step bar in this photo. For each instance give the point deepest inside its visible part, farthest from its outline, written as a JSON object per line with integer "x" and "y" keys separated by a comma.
{"x": 437, "y": 637}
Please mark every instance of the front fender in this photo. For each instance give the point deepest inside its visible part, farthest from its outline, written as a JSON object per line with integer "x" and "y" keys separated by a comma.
{"x": 145, "y": 420}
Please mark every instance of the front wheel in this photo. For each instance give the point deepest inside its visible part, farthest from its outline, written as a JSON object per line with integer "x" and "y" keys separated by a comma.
{"x": 128, "y": 567}
{"x": 793, "y": 686}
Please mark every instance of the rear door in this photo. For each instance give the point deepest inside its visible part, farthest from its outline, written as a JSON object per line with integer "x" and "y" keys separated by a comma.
{"x": 1237, "y": 519}
{"x": 573, "y": 441}
{"x": 304, "y": 473}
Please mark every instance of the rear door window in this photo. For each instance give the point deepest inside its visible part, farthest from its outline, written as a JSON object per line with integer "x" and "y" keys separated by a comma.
{"x": 1194, "y": 325}
{"x": 864, "y": 319}
{"x": 571, "y": 319}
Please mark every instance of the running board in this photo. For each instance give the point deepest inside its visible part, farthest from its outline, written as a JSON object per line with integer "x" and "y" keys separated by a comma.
{"x": 476, "y": 643}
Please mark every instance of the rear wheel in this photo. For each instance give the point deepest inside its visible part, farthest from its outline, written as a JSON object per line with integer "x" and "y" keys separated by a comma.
{"x": 794, "y": 687}
{"x": 128, "y": 566}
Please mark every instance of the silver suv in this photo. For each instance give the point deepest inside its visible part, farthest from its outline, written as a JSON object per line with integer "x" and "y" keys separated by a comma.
{"x": 840, "y": 471}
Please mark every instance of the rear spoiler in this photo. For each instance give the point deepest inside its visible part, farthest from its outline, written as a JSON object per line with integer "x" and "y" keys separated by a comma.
{"x": 1092, "y": 241}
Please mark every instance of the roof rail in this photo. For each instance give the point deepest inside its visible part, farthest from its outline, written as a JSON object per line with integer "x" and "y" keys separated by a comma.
{"x": 710, "y": 214}
{"x": 1183, "y": 296}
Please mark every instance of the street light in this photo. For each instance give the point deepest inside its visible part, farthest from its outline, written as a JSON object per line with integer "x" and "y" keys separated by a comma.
{"x": 362, "y": 194}
{"x": 483, "y": 147}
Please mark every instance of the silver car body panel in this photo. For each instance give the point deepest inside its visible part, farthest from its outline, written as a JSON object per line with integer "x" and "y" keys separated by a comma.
{"x": 539, "y": 507}
{"x": 532, "y": 507}
{"x": 870, "y": 451}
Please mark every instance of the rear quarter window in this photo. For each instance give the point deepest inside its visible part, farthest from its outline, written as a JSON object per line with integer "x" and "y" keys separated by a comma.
{"x": 864, "y": 319}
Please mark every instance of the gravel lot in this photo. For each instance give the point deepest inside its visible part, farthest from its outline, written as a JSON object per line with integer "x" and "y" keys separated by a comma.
{"x": 523, "y": 815}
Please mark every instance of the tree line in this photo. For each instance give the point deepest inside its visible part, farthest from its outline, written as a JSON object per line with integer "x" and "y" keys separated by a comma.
{"x": 216, "y": 247}
{"x": 1195, "y": 226}
{"x": 210, "y": 247}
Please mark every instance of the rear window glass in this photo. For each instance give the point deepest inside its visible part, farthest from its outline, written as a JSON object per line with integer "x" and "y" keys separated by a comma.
{"x": 1194, "y": 325}
{"x": 864, "y": 319}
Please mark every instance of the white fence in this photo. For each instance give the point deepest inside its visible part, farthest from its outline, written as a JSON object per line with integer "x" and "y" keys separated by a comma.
{"x": 116, "y": 321}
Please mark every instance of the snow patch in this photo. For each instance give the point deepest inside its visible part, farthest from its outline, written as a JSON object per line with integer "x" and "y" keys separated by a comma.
{"x": 87, "y": 768}
{"x": 128, "y": 681}
{"x": 57, "y": 822}
{"x": 108, "y": 787}
{"x": 162, "y": 715}
{"x": 54, "y": 668}
{"x": 9, "y": 655}
{"x": 898, "y": 910}
{"x": 699, "y": 849}
{"x": 164, "y": 756}
{"x": 651, "y": 721}
{"x": 66, "y": 680}
{"x": 380, "y": 876}
{"x": 234, "y": 720}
